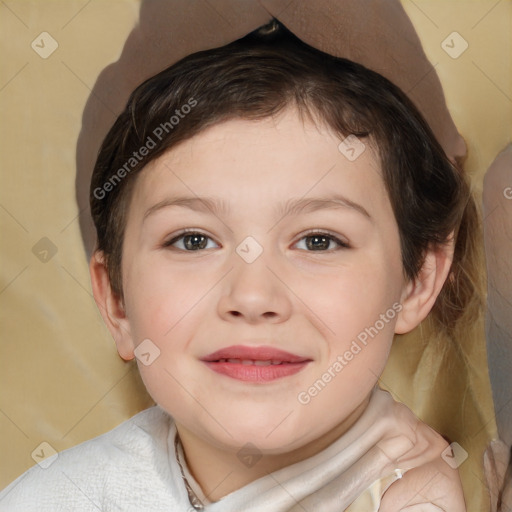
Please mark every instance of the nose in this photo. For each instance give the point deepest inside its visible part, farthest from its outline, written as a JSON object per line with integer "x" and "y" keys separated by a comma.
{"x": 254, "y": 293}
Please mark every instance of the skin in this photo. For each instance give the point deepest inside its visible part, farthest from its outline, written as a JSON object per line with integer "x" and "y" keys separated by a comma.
{"x": 309, "y": 302}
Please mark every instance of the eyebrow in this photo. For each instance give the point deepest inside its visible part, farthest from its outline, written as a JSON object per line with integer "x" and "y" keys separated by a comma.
{"x": 293, "y": 206}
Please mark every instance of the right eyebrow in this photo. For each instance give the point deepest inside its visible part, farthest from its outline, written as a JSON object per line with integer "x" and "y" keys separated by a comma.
{"x": 200, "y": 204}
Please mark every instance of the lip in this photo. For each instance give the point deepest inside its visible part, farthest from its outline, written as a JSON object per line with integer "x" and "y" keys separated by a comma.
{"x": 255, "y": 364}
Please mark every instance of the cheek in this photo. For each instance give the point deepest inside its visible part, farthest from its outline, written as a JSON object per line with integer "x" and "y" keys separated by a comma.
{"x": 354, "y": 298}
{"x": 360, "y": 307}
{"x": 160, "y": 296}
{"x": 164, "y": 306}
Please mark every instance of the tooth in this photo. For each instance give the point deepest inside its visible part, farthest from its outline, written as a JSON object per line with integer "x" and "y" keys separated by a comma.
{"x": 262, "y": 363}
{"x": 247, "y": 362}
{"x": 234, "y": 361}
{"x": 276, "y": 362}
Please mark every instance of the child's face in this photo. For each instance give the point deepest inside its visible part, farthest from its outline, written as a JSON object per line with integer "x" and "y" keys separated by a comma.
{"x": 305, "y": 296}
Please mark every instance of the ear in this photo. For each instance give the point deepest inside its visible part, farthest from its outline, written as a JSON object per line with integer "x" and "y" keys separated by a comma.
{"x": 418, "y": 296}
{"x": 111, "y": 306}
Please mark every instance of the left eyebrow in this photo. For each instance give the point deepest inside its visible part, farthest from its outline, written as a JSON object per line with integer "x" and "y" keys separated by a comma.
{"x": 311, "y": 204}
{"x": 293, "y": 206}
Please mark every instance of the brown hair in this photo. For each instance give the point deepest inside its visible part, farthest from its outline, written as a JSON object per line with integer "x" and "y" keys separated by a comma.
{"x": 258, "y": 76}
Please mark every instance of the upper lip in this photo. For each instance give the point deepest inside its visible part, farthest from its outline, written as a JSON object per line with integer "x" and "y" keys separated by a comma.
{"x": 261, "y": 353}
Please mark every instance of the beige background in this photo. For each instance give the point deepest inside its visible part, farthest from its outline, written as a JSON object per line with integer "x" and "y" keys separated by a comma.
{"x": 61, "y": 379}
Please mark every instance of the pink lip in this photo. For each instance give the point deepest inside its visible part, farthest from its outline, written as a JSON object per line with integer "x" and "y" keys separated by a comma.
{"x": 237, "y": 362}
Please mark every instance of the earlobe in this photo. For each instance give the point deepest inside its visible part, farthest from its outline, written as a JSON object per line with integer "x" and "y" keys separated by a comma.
{"x": 111, "y": 306}
{"x": 419, "y": 295}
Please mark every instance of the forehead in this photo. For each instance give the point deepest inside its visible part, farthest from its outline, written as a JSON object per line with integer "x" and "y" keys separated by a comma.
{"x": 264, "y": 160}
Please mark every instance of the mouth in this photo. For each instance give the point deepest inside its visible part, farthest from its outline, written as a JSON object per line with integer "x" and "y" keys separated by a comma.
{"x": 255, "y": 364}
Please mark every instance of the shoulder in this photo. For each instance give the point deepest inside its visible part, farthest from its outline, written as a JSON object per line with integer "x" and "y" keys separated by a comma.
{"x": 430, "y": 479}
{"x": 84, "y": 476}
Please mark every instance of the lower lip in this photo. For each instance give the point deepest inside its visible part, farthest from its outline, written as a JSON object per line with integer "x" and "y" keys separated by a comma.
{"x": 254, "y": 373}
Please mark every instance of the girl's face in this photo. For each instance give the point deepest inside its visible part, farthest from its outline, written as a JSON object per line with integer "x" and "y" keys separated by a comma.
{"x": 270, "y": 321}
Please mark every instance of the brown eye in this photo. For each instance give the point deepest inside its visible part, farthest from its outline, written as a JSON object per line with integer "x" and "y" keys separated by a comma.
{"x": 189, "y": 241}
{"x": 318, "y": 242}
{"x": 322, "y": 242}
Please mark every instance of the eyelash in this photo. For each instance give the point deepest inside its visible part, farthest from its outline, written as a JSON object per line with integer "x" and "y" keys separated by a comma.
{"x": 341, "y": 243}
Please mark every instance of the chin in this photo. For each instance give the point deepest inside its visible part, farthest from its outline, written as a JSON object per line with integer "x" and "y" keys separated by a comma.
{"x": 270, "y": 437}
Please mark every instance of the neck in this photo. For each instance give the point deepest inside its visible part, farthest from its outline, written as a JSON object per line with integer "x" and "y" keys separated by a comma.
{"x": 220, "y": 472}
